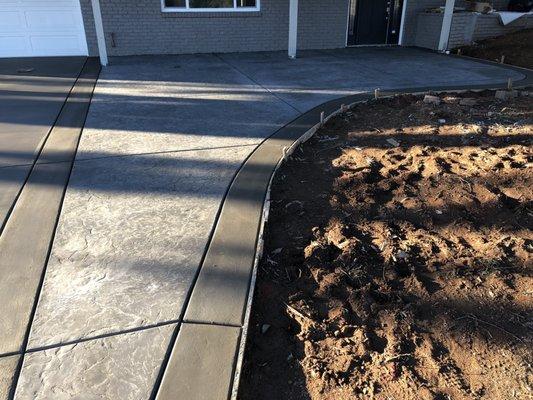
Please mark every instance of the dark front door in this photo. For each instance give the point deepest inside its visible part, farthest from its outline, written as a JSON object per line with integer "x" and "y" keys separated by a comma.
{"x": 374, "y": 22}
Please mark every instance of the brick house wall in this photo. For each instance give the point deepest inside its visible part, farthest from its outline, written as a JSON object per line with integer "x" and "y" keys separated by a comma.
{"x": 466, "y": 28}
{"x": 140, "y": 27}
{"x": 423, "y": 34}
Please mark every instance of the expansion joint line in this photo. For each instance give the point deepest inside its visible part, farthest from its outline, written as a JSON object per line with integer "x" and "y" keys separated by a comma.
{"x": 257, "y": 83}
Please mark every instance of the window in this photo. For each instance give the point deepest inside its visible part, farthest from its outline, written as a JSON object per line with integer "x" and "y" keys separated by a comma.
{"x": 210, "y": 5}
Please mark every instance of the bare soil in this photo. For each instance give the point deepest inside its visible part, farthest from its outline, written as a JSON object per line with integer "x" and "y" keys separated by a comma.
{"x": 398, "y": 257}
{"x": 517, "y": 48}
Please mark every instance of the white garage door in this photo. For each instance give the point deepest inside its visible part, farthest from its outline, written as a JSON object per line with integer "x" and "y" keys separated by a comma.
{"x": 41, "y": 28}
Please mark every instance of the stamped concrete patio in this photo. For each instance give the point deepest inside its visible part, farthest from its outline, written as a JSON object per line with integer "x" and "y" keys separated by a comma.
{"x": 162, "y": 141}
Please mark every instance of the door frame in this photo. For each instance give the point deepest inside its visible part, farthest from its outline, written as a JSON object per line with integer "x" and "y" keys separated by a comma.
{"x": 400, "y": 33}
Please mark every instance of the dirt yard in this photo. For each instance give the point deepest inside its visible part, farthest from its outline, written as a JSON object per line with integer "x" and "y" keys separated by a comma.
{"x": 517, "y": 48}
{"x": 398, "y": 257}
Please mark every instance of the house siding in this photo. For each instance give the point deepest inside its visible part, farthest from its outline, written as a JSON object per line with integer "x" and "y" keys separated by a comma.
{"x": 140, "y": 27}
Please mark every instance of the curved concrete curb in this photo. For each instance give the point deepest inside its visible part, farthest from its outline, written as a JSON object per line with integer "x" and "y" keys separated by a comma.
{"x": 220, "y": 303}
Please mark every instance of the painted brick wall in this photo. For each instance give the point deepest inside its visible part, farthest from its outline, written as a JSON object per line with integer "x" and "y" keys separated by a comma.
{"x": 462, "y": 29}
{"x": 139, "y": 27}
{"x": 412, "y": 10}
{"x": 489, "y": 26}
{"x": 415, "y": 7}
{"x": 466, "y": 28}
{"x": 429, "y": 27}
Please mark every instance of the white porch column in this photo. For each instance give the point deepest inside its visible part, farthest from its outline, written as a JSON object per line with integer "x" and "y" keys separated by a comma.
{"x": 293, "y": 27}
{"x": 100, "y": 38}
{"x": 446, "y": 25}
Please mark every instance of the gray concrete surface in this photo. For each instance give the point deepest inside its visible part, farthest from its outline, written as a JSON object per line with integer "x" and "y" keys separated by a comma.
{"x": 198, "y": 368}
{"x": 117, "y": 367}
{"x": 32, "y": 92}
{"x": 8, "y": 366}
{"x": 27, "y": 235}
{"x": 163, "y": 138}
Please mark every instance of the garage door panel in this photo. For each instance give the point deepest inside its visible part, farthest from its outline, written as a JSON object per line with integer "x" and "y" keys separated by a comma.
{"x": 54, "y": 45}
{"x": 41, "y": 28}
{"x": 47, "y": 3}
{"x": 14, "y": 46}
{"x": 52, "y": 20}
{"x": 11, "y": 21}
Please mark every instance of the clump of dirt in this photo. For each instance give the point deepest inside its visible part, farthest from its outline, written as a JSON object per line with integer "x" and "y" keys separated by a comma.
{"x": 398, "y": 257}
{"x": 516, "y": 47}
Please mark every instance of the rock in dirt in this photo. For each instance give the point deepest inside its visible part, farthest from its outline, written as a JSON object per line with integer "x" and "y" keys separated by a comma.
{"x": 393, "y": 142}
{"x": 468, "y": 101}
{"x": 505, "y": 94}
{"x": 501, "y": 95}
{"x": 429, "y": 99}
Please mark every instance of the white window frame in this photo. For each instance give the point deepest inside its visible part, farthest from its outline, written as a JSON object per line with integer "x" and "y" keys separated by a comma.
{"x": 192, "y": 10}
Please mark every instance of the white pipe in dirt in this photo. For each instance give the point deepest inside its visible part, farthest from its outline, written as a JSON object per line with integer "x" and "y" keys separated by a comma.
{"x": 293, "y": 27}
{"x": 446, "y": 25}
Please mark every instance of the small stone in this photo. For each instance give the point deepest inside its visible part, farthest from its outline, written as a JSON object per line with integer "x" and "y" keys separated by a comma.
{"x": 265, "y": 328}
{"x": 468, "y": 101}
{"x": 439, "y": 212}
{"x": 429, "y": 99}
{"x": 505, "y": 94}
{"x": 401, "y": 255}
{"x": 501, "y": 94}
{"x": 442, "y": 121}
{"x": 393, "y": 142}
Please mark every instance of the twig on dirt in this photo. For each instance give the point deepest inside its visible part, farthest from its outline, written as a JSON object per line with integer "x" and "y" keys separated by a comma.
{"x": 466, "y": 182}
{"x": 389, "y": 359}
{"x": 473, "y": 317}
{"x": 299, "y": 313}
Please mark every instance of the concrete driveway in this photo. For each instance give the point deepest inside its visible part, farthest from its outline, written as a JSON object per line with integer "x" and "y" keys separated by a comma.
{"x": 32, "y": 92}
{"x": 162, "y": 141}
